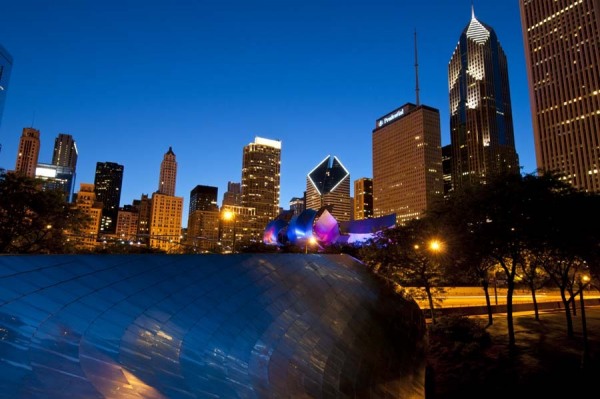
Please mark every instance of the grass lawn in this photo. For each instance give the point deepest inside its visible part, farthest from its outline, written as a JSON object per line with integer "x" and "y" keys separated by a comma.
{"x": 545, "y": 364}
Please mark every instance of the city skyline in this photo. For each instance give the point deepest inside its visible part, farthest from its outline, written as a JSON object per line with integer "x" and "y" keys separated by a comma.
{"x": 128, "y": 81}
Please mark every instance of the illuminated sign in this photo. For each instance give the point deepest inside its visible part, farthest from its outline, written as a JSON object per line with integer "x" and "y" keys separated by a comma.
{"x": 390, "y": 117}
{"x": 268, "y": 142}
{"x": 44, "y": 171}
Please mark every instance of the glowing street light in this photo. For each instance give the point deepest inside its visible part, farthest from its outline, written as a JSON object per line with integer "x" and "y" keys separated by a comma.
{"x": 435, "y": 246}
{"x": 312, "y": 241}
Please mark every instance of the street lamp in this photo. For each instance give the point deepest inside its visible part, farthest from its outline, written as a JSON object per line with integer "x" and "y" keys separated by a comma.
{"x": 230, "y": 215}
{"x": 583, "y": 282}
{"x": 312, "y": 241}
{"x": 435, "y": 246}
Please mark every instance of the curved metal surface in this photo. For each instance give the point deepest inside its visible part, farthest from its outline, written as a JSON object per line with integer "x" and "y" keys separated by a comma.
{"x": 204, "y": 326}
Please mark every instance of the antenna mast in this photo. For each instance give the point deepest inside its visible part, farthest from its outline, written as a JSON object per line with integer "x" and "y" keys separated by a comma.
{"x": 417, "y": 70}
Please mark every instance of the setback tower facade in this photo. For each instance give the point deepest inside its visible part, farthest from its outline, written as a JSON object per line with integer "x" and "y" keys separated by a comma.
{"x": 481, "y": 124}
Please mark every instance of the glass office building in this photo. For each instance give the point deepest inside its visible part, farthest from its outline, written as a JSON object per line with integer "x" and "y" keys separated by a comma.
{"x": 56, "y": 177}
{"x": 6, "y": 62}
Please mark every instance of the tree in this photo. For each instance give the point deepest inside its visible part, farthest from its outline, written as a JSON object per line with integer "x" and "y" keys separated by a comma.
{"x": 567, "y": 237}
{"x": 32, "y": 220}
{"x": 534, "y": 275}
{"x": 411, "y": 256}
{"x": 495, "y": 219}
{"x": 468, "y": 262}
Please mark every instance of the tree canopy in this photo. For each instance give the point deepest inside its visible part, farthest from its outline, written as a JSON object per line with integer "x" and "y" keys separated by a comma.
{"x": 35, "y": 221}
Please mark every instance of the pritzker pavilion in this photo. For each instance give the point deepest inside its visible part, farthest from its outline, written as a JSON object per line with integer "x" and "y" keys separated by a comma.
{"x": 204, "y": 326}
{"x": 323, "y": 228}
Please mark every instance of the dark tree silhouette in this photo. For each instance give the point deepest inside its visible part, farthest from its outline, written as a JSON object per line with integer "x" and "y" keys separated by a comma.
{"x": 33, "y": 220}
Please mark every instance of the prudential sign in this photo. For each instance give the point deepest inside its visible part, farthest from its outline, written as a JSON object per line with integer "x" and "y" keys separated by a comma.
{"x": 391, "y": 117}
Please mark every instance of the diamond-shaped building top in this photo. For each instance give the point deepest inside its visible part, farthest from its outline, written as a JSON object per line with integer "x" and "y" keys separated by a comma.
{"x": 328, "y": 183}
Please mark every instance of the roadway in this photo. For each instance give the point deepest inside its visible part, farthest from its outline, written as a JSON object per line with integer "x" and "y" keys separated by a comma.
{"x": 474, "y": 296}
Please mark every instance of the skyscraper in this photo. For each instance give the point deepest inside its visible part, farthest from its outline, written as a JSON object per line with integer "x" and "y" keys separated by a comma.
{"x": 447, "y": 168}
{"x": 144, "y": 206}
{"x": 233, "y": 195}
{"x": 65, "y": 151}
{"x": 481, "y": 125}
{"x": 56, "y": 177}
{"x": 328, "y": 184}
{"x": 363, "y": 198}
{"x": 107, "y": 186}
{"x": 88, "y": 203}
{"x": 166, "y": 210}
{"x": 168, "y": 174}
{"x": 562, "y": 52}
{"x": 29, "y": 151}
{"x": 407, "y": 162}
{"x": 203, "y": 198}
{"x": 297, "y": 205}
{"x": 203, "y": 219}
{"x": 165, "y": 222}
{"x": 5, "y": 68}
{"x": 65, "y": 156}
{"x": 260, "y": 180}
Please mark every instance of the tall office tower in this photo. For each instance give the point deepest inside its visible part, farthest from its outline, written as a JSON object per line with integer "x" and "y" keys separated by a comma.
{"x": 165, "y": 222}
{"x": 127, "y": 223}
{"x": 260, "y": 180}
{"x": 168, "y": 174}
{"x": 29, "y": 150}
{"x": 203, "y": 219}
{"x": 407, "y": 162}
{"x": 107, "y": 186}
{"x": 65, "y": 151}
{"x": 233, "y": 195}
{"x": 363, "y": 198}
{"x": 297, "y": 205}
{"x": 5, "y": 68}
{"x": 562, "y": 52}
{"x": 65, "y": 156}
{"x": 481, "y": 125}
{"x": 144, "y": 206}
{"x": 54, "y": 177}
{"x": 203, "y": 198}
{"x": 86, "y": 200}
{"x": 447, "y": 168}
{"x": 328, "y": 184}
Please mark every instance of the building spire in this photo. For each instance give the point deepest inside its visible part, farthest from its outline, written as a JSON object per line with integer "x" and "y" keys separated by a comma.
{"x": 416, "y": 70}
{"x": 472, "y": 10}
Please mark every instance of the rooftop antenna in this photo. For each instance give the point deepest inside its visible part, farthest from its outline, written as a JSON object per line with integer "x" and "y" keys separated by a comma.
{"x": 417, "y": 70}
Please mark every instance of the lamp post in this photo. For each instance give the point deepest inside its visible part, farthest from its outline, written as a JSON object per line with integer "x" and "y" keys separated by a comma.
{"x": 230, "y": 215}
{"x": 583, "y": 282}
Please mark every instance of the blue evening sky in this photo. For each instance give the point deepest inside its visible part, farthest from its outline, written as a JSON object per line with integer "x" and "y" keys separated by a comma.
{"x": 130, "y": 78}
